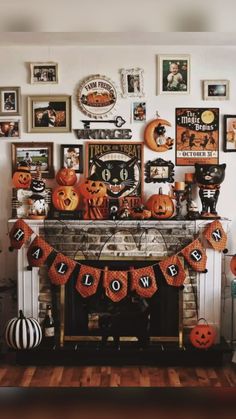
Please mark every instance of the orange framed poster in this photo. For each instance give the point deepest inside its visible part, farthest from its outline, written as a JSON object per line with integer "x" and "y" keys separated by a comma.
{"x": 197, "y": 136}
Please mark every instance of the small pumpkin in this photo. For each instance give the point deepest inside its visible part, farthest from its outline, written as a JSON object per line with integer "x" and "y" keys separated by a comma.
{"x": 202, "y": 336}
{"x": 23, "y": 333}
{"x": 65, "y": 198}
{"x": 22, "y": 177}
{"x": 92, "y": 188}
{"x": 66, "y": 177}
{"x": 160, "y": 205}
{"x": 141, "y": 213}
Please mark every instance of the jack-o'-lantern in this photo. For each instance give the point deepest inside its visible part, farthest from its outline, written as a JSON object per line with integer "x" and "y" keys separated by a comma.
{"x": 202, "y": 336}
{"x": 65, "y": 198}
{"x": 66, "y": 177}
{"x": 160, "y": 205}
{"x": 22, "y": 177}
{"x": 92, "y": 189}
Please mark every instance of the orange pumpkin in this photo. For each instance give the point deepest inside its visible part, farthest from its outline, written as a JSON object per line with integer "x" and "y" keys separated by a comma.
{"x": 22, "y": 177}
{"x": 160, "y": 205}
{"x": 202, "y": 336}
{"x": 65, "y": 198}
{"x": 92, "y": 189}
{"x": 233, "y": 265}
{"x": 154, "y": 135}
{"x": 66, "y": 177}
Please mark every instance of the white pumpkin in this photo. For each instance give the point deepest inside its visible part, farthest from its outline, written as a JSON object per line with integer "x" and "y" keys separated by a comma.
{"x": 23, "y": 333}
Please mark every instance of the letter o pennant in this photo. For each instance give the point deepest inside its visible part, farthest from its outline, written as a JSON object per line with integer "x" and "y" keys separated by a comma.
{"x": 115, "y": 284}
{"x": 173, "y": 271}
{"x": 38, "y": 252}
{"x": 144, "y": 281}
{"x": 88, "y": 280}
{"x": 61, "y": 269}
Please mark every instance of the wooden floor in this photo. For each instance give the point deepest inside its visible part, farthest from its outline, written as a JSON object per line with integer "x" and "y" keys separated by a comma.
{"x": 46, "y": 376}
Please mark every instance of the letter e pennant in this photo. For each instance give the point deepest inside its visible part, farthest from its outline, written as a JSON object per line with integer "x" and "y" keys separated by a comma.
{"x": 195, "y": 255}
{"x": 173, "y": 271}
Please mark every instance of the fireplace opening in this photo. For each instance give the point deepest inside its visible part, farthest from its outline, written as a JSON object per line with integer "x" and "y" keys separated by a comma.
{"x": 132, "y": 319}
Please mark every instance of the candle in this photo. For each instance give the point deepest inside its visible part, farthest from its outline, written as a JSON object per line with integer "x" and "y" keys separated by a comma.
{"x": 179, "y": 186}
{"x": 189, "y": 177}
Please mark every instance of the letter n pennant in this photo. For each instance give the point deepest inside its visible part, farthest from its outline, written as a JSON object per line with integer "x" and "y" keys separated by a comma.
{"x": 195, "y": 255}
{"x": 173, "y": 271}
{"x": 19, "y": 234}
{"x": 38, "y": 252}
{"x": 61, "y": 269}
{"x": 115, "y": 284}
{"x": 216, "y": 235}
{"x": 88, "y": 280}
{"x": 144, "y": 281}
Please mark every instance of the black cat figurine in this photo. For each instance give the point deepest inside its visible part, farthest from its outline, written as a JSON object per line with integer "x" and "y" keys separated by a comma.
{"x": 118, "y": 176}
{"x": 209, "y": 178}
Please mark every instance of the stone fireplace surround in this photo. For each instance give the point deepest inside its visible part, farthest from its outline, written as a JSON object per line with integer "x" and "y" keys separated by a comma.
{"x": 141, "y": 240}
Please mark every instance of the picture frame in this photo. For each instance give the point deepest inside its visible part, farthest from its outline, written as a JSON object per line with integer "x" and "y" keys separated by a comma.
{"x": 49, "y": 113}
{"x": 44, "y": 73}
{"x": 216, "y": 89}
{"x": 121, "y": 156}
{"x": 10, "y": 128}
{"x": 10, "y": 101}
{"x": 139, "y": 111}
{"x": 132, "y": 82}
{"x": 197, "y": 136}
{"x": 34, "y": 154}
{"x": 159, "y": 170}
{"x": 173, "y": 76}
{"x": 229, "y": 132}
{"x": 72, "y": 157}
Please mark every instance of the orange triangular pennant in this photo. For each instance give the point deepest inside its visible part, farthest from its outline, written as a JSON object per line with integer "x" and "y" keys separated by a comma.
{"x": 115, "y": 284}
{"x": 143, "y": 281}
{"x": 173, "y": 271}
{"x": 61, "y": 269}
{"x": 88, "y": 280}
{"x": 38, "y": 252}
{"x": 216, "y": 235}
{"x": 195, "y": 255}
{"x": 19, "y": 234}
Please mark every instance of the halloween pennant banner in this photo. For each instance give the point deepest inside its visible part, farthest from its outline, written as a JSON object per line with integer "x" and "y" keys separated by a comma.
{"x": 115, "y": 284}
{"x": 19, "y": 234}
{"x": 143, "y": 281}
{"x": 195, "y": 255}
{"x": 38, "y": 252}
{"x": 173, "y": 271}
{"x": 216, "y": 236}
{"x": 61, "y": 269}
{"x": 88, "y": 280}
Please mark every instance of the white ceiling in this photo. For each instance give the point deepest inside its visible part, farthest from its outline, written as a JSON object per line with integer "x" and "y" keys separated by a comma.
{"x": 117, "y": 38}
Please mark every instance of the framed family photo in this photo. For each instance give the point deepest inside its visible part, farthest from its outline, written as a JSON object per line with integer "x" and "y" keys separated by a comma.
{"x": 216, "y": 89}
{"x": 10, "y": 101}
{"x": 229, "y": 143}
{"x": 173, "y": 74}
{"x": 44, "y": 73}
{"x": 132, "y": 82}
{"x": 72, "y": 157}
{"x": 49, "y": 113}
{"x": 10, "y": 128}
{"x": 34, "y": 155}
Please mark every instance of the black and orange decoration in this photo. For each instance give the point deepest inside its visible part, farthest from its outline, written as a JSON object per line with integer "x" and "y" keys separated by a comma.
{"x": 88, "y": 280}
{"x": 143, "y": 281}
{"x": 216, "y": 236}
{"x": 61, "y": 269}
{"x": 173, "y": 271}
{"x": 19, "y": 234}
{"x": 115, "y": 284}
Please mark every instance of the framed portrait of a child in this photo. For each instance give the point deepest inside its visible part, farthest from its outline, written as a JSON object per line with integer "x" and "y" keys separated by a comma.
{"x": 173, "y": 76}
{"x": 72, "y": 157}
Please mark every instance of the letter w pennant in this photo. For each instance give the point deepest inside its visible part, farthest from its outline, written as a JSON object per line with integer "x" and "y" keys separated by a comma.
{"x": 143, "y": 281}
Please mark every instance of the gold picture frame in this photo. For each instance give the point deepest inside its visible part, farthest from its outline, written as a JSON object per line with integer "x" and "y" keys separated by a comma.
{"x": 10, "y": 101}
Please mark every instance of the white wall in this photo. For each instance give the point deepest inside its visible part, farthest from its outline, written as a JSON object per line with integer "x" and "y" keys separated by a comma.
{"x": 76, "y": 63}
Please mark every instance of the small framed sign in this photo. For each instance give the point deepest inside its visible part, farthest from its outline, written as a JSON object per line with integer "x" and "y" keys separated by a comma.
{"x": 216, "y": 89}
{"x": 132, "y": 82}
{"x": 159, "y": 170}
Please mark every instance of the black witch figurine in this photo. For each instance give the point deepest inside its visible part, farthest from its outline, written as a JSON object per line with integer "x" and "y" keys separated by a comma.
{"x": 209, "y": 178}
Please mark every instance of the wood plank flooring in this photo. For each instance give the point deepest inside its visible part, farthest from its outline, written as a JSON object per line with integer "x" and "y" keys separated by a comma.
{"x": 107, "y": 376}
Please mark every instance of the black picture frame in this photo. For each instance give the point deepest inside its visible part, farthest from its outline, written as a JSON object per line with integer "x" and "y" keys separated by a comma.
{"x": 229, "y": 143}
{"x": 75, "y": 157}
{"x": 166, "y": 171}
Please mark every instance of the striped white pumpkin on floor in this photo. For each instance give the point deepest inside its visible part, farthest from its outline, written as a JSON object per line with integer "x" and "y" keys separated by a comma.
{"x": 23, "y": 333}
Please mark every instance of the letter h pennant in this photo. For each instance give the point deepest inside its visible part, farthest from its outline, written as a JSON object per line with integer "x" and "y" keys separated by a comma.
{"x": 143, "y": 281}
{"x": 88, "y": 280}
{"x": 115, "y": 284}
{"x": 195, "y": 255}
{"x": 19, "y": 234}
{"x": 173, "y": 271}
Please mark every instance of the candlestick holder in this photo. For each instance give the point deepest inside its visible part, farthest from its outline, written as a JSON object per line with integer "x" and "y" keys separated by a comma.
{"x": 178, "y": 195}
{"x": 192, "y": 210}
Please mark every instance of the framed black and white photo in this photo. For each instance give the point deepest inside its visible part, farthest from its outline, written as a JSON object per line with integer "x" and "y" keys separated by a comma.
{"x": 139, "y": 111}
{"x": 132, "y": 82}
{"x": 159, "y": 170}
{"x": 216, "y": 89}
{"x": 72, "y": 157}
{"x": 49, "y": 113}
{"x": 173, "y": 74}
{"x": 34, "y": 155}
{"x": 44, "y": 73}
{"x": 10, "y": 128}
{"x": 10, "y": 101}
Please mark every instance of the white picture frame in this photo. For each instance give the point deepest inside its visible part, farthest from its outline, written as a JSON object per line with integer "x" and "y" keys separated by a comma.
{"x": 44, "y": 72}
{"x": 132, "y": 82}
{"x": 173, "y": 74}
{"x": 216, "y": 89}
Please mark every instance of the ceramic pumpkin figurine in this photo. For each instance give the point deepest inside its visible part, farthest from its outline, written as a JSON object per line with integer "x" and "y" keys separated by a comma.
{"x": 66, "y": 177}
{"x": 23, "y": 333}
{"x": 65, "y": 198}
{"x": 22, "y": 176}
{"x": 93, "y": 192}
{"x": 202, "y": 336}
{"x": 160, "y": 205}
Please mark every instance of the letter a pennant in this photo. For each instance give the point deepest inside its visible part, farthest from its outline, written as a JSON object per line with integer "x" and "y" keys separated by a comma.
{"x": 88, "y": 280}
{"x": 61, "y": 269}
{"x": 115, "y": 284}
{"x": 216, "y": 235}
{"x": 143, "y": 281}
{"x": 38, "y": 252}
{"x": 195, "y": 255}
{"x": 19, "y": 234}
{"x": 173, "y": 271}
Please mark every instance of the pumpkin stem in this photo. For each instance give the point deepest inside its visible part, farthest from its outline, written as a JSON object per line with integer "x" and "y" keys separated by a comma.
{"x": 21, "y": 314}
{"x": 160, "y": 191}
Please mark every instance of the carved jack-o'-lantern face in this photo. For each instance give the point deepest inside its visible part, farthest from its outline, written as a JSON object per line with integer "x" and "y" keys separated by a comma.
{"x": 161, "y": 206}
{"x": 21, "y": 179}
{"x": 65, "y": 198}
{"x": 91, "y": 189}
{"x": 202, "y": 336}
{"x": 66, "y": 177}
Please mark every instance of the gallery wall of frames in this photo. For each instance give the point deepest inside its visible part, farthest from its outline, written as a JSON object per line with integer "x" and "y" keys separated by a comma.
{"x": 132, "y": 122}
